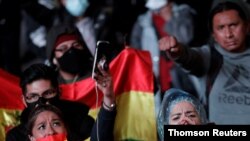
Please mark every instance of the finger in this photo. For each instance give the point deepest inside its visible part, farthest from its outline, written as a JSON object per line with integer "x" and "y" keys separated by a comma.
{"x": 174, "y": 49}
{"x": 173, "y": 45}
{"x": 104, "y": 84}
{"x": 107, "y": 79}
{"x": 100, "y": 67}
{"x": 97, "y": 76}
{"x": 172, "y": 42}
{"x": 163, "y": 43}
{"x": 103, "y": 75}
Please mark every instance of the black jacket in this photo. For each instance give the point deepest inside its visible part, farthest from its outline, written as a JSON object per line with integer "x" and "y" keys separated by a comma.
{"x": 106, "y": 121}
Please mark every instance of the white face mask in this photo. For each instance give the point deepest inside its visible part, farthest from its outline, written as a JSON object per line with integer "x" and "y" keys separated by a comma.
{"x": 76, "y": 7}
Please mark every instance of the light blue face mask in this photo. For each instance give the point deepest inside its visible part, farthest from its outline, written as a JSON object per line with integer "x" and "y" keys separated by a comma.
{"x": 76, "y": 7}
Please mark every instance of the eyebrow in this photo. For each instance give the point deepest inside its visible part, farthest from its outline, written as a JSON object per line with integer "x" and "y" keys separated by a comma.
{"x": 40, "y": 123}
{"x": 64, "y": 45}
{"x": 56, "y": 119}
{"x": 32, "y": 93}
{"x": 177, "y": 114}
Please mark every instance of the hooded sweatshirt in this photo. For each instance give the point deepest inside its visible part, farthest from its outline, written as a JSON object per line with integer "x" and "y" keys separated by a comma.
{"x": 229, "y": 99}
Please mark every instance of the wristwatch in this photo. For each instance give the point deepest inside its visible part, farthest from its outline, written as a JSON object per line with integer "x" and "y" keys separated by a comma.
{"x": 110, "y": 107}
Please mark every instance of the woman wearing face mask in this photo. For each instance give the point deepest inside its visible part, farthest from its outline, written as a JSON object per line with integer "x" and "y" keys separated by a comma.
{"x": 46, "y": 124}
{"x": 180, "y": 108}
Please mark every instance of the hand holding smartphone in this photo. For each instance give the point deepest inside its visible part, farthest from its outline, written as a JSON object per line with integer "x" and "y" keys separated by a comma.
{"x": 101, "y": 57}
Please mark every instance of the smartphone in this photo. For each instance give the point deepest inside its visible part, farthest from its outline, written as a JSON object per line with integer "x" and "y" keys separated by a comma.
{"x": 101, "y": 56}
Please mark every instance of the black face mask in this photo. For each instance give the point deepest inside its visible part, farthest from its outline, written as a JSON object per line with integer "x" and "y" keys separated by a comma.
{"x": 75, "y": 61}
{"x": 53, "y": 101}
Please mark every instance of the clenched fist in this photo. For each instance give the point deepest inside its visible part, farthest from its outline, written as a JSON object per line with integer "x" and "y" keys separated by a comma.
{"x": 172, "y": 47}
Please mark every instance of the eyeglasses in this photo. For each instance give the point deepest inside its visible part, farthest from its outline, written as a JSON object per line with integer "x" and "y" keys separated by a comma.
{"x": 33, "y": 97}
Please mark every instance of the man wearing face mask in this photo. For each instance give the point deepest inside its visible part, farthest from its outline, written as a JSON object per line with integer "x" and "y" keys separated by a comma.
{"x": 69, "y": 54}
{"x": 73, "y": 61}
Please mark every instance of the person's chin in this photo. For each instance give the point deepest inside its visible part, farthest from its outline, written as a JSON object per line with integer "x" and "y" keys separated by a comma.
{"x": 231, "y": 48}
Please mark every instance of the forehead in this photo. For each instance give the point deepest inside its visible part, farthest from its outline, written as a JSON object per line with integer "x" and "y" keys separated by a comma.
{"x": 68, "y": 42}
{"x": 183, "y": 106}
{"x": 226, "y": 17}
{"x": 46, "y": 116}
{"x": 38, "y": 86}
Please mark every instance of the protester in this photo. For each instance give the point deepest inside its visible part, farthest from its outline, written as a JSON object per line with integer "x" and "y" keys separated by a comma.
{"x": 180, "y": 108}
{"x": 93, "y": 20}
{"x": 45, "y": 123}
{"x": 221, "y": 66}
{"x": 65, "y": 46}
{"x": 164, "y": 18}
{"x": 40, "y": 85}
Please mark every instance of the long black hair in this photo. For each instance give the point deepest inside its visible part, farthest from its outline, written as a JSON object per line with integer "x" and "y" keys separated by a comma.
{"x": 225, "y": 6}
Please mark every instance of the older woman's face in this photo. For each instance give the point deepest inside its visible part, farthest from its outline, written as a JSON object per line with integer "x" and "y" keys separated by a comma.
{"x": 47, "y": 123}
{"x": 184, "y": 113}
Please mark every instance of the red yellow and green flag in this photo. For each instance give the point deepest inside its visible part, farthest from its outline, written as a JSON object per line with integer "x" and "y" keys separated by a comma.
{"x": 10, "y": 102}
{"x": 133, "y": 85}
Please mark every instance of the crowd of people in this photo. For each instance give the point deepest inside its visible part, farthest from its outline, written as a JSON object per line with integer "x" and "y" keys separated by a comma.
{"x": 40, "y": 85}
{"x": 192, "y": 85}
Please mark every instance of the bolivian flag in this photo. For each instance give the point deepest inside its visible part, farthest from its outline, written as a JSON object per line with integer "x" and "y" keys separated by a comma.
{"x": 10, "y": 102}
{"x": 133, "y": 85}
